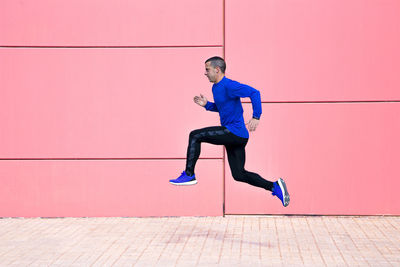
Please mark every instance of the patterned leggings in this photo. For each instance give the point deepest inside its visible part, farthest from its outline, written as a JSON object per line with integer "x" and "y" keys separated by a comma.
{"x": 235, "y": 148}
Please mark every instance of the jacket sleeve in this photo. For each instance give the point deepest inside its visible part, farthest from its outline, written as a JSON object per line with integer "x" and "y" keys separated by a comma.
{"x": 210, "y": 106}
{"x": 237, "y": 89}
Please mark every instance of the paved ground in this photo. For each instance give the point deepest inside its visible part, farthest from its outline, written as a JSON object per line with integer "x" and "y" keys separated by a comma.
{"x": 201, "y": 241}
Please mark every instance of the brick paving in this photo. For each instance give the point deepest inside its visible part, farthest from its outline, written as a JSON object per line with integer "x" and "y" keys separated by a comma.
{"x": 201, "y": 241}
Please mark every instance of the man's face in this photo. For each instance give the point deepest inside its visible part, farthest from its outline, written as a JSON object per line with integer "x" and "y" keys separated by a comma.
{"x": 211, "y": 72}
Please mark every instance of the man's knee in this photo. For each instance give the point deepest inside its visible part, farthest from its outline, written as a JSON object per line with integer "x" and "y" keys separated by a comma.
{"x": 195, "y": 134}
{"x": 192, "y": 134}
{"x": 239, "y": 175}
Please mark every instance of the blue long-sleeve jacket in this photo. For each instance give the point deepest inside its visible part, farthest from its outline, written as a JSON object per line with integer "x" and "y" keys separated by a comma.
{"x": 227, "y": 94}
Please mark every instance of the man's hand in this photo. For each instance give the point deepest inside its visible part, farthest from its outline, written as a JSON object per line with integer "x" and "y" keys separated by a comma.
{"x": 200, "y": 100}
{"x": 252, "y": 124}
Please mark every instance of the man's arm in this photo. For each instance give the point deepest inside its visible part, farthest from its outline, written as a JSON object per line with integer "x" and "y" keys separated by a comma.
{"x": 202, "y": 101}
{"x": 237, "y": 89}
{"x": 210, "y": 106}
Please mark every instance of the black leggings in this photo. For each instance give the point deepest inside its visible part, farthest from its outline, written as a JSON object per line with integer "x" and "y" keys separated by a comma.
{"x": 235, "y": 148}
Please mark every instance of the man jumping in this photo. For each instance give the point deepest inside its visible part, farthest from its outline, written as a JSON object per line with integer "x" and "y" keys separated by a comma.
{"x": 232, "y": 133}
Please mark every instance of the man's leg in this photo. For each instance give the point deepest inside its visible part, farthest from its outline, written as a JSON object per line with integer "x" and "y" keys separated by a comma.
{"x": 236, "y": 159}
{"x": 216, "y": 135}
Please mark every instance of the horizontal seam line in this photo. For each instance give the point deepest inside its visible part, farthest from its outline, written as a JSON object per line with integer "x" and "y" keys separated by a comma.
{"x": 162, "y": 46}
{"x": 308, "y": 215}
{"x": 325, "y": 102}
{"x": 102, "y": 158}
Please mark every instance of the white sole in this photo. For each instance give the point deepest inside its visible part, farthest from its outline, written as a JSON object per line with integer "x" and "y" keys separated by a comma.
{"x": 285, "y": 193}
{"x": 187, "y": 183}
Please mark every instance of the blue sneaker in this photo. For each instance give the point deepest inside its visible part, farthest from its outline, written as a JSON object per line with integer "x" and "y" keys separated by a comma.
{"x": 281, "y": 192}
{"x": 184, "y": 179}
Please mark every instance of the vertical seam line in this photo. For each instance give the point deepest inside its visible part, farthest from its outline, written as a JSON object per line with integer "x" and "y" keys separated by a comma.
{"x": 223, "y": 147}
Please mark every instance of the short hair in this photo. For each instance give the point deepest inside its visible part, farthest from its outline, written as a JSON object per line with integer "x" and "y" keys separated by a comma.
{"x": 217, "y": 62}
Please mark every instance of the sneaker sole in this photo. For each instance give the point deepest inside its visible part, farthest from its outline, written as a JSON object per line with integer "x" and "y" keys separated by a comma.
{"x": 286, "y": 196}
{"x": 186, "y": 183}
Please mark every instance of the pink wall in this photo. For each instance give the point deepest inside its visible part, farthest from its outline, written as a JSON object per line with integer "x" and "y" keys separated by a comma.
{"x": 102, "y": 130}
{"x": 337, "y": 158}
{"x": 101, "y": 103}
{"x": 96, "y": 105}
{"x": 332, "y": 50}
{"x": 80, "y": 188}
{"x": 120, "y": 23}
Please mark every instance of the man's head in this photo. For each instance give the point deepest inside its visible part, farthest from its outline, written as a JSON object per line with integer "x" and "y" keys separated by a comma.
{"x": 215, "y": 69}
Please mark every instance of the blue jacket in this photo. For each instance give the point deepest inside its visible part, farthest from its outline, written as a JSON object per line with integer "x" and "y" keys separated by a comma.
{"x": 227, "y": 94}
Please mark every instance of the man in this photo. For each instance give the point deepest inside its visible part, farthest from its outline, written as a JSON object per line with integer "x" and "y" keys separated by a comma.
{"x": 232, "y": 133}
